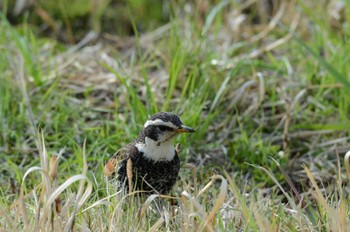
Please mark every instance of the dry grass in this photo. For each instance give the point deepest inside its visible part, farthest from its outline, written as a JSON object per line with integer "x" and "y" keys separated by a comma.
{"x": 218, "y": 205}
{"x": 44, "y": 208}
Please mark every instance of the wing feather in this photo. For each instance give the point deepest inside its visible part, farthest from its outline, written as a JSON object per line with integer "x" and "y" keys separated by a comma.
{"x": 113, "y": 163}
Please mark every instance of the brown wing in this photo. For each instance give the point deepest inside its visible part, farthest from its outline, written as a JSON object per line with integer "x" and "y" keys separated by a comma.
{"x": 112, "y": 164}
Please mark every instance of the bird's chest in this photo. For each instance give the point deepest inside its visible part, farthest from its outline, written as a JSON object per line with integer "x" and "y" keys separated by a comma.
{"x": 155, "y": 175}
{"x": 149, "y": 175}
{"x": 149, "y": 169}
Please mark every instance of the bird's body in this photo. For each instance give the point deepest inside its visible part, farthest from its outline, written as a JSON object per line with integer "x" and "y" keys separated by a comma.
{"x": 153, "y": 157}
{"x": 149, "y": 175}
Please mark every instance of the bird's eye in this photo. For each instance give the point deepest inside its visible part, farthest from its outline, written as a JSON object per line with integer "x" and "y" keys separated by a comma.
{"x": 165, "y": 128}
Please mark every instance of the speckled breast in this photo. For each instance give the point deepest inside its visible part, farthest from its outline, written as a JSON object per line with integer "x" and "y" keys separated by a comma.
{"x": 153, "y": 177}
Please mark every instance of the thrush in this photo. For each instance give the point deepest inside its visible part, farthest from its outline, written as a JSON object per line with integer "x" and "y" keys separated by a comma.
{"x": 153, "y": 160}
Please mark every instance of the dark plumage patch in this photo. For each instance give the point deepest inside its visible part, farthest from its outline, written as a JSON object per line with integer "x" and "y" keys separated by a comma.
{"x": 148, "y": 175}
{"x": 151, "y": 132}
{"x": 164, "y": 128}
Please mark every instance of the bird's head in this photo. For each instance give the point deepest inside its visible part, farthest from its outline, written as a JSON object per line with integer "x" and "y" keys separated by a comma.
{"x": 156, "y": 137}
{"x": 163, "y": 126}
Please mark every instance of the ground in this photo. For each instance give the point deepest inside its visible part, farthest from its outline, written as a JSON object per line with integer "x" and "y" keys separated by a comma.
{"x": 265, "y": 84}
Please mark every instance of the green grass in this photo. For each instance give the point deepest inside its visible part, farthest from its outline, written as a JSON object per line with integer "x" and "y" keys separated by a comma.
{"x": 271, "y": 121}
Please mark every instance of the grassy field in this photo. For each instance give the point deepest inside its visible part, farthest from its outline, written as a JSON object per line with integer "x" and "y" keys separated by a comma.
{"x": 265, "y": 85}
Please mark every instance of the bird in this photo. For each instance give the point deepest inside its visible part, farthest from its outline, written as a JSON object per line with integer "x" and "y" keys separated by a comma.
{"x": 153, "y": 159}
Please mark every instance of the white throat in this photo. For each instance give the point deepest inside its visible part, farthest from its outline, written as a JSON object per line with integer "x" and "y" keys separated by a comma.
{"x": 162, "y": 152}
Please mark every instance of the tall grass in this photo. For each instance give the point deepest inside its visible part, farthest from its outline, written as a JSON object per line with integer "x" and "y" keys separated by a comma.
{"x": 54, "y": 205}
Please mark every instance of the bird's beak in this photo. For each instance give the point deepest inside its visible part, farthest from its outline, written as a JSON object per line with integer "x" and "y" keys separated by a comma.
{"x": 185, "y": 129}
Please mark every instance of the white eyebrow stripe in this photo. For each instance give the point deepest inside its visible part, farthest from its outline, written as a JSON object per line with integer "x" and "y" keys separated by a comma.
{"x": 159, "y": 122}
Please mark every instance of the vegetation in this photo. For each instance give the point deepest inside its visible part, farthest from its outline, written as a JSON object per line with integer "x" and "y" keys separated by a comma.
{"x": 264, "y": 84}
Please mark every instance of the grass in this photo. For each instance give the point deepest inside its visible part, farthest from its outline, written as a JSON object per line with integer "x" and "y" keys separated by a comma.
{"x": 266, "y": 93}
